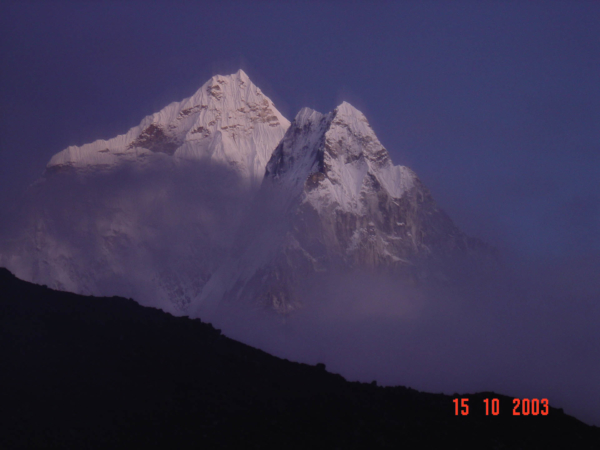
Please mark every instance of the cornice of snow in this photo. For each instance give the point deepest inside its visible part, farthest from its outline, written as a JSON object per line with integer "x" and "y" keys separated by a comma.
{"x": 228, "y": 120}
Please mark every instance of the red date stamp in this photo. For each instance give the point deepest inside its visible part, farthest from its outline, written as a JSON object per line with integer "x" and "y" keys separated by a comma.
{"x": 521, "y": 407}
{"x": 530, "y": 406}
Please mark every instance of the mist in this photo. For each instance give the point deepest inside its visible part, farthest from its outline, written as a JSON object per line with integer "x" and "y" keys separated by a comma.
{"x": 528, "y": 329}
{"x": 130, "y": 232}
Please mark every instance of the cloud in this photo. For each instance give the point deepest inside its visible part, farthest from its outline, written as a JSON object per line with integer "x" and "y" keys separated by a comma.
{"x": 529, "y": 329}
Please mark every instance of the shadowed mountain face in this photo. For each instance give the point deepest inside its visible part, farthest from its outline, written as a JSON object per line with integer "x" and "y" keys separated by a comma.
{"x": 84, "y": 372}
{"x": 218, "y": 198}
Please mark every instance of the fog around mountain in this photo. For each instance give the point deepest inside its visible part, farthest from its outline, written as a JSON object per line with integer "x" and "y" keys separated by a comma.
{"x": 529, "y": 329}
{"x": 339, "y": 256}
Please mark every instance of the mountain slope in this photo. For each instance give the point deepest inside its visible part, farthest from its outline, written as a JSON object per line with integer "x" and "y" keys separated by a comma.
{"x": 150, "y": 213}
{"x": 342, "y": 205}
{"x": 82, "y": 372}
{"x": 218, "y": 198}
{"x": 228, "y": 120}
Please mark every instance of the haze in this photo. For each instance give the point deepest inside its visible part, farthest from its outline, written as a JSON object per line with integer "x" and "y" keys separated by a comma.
{"x": 496, "y": 106}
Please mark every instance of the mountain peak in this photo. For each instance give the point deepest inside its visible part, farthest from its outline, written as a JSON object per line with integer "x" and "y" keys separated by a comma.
{"x": 228, "y": 120}
{"x": 347, "y": 109}
{"x": 337, "y": 201}
{"x": 241, "y": 74}
{"x": 332, "y": 160}
{"x": 345, "y": 205}
{"x": 306, "y": 116}
{"x": 231, "y": 82}
{"x": 354, "y": 120}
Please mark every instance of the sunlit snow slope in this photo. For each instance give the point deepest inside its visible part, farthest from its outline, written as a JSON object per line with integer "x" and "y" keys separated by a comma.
{"x": 157, "y": 208}
{"x": 339, "y": 204}
{"x": 227, "y": 120}
{"x": 219, "y": 198}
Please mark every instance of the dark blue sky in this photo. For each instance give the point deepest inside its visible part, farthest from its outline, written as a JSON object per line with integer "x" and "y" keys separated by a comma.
{"x": 495, "y": 105}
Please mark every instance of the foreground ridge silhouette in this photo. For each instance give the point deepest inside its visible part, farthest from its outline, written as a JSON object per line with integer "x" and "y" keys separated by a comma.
{"x": 86, "y": 372}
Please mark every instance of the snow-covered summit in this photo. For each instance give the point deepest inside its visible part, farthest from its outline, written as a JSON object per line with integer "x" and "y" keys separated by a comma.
{"x": 341, "y": 205}
{"x": 330, "y": 200}
{"x": 227, "y": 120}
{"x": 334, "y": 159}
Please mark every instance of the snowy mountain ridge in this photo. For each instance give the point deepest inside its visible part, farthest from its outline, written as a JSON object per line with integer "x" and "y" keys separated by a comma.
{"x": 284, "y": 202}
{"x": 345, "y": 158}
{"x": 227, "y": 120}
{"x": 337, "y": 204}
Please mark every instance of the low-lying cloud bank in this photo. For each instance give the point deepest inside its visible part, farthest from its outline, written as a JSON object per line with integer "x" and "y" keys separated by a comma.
{"x": 128, "y": 232}
{"x": 529, "y": 330}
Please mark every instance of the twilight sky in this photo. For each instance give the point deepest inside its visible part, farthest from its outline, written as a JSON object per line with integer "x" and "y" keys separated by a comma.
{"x": 495, "y": 105}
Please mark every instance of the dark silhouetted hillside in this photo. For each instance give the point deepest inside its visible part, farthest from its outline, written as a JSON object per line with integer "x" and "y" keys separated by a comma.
{"x": 85, "y": 373}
